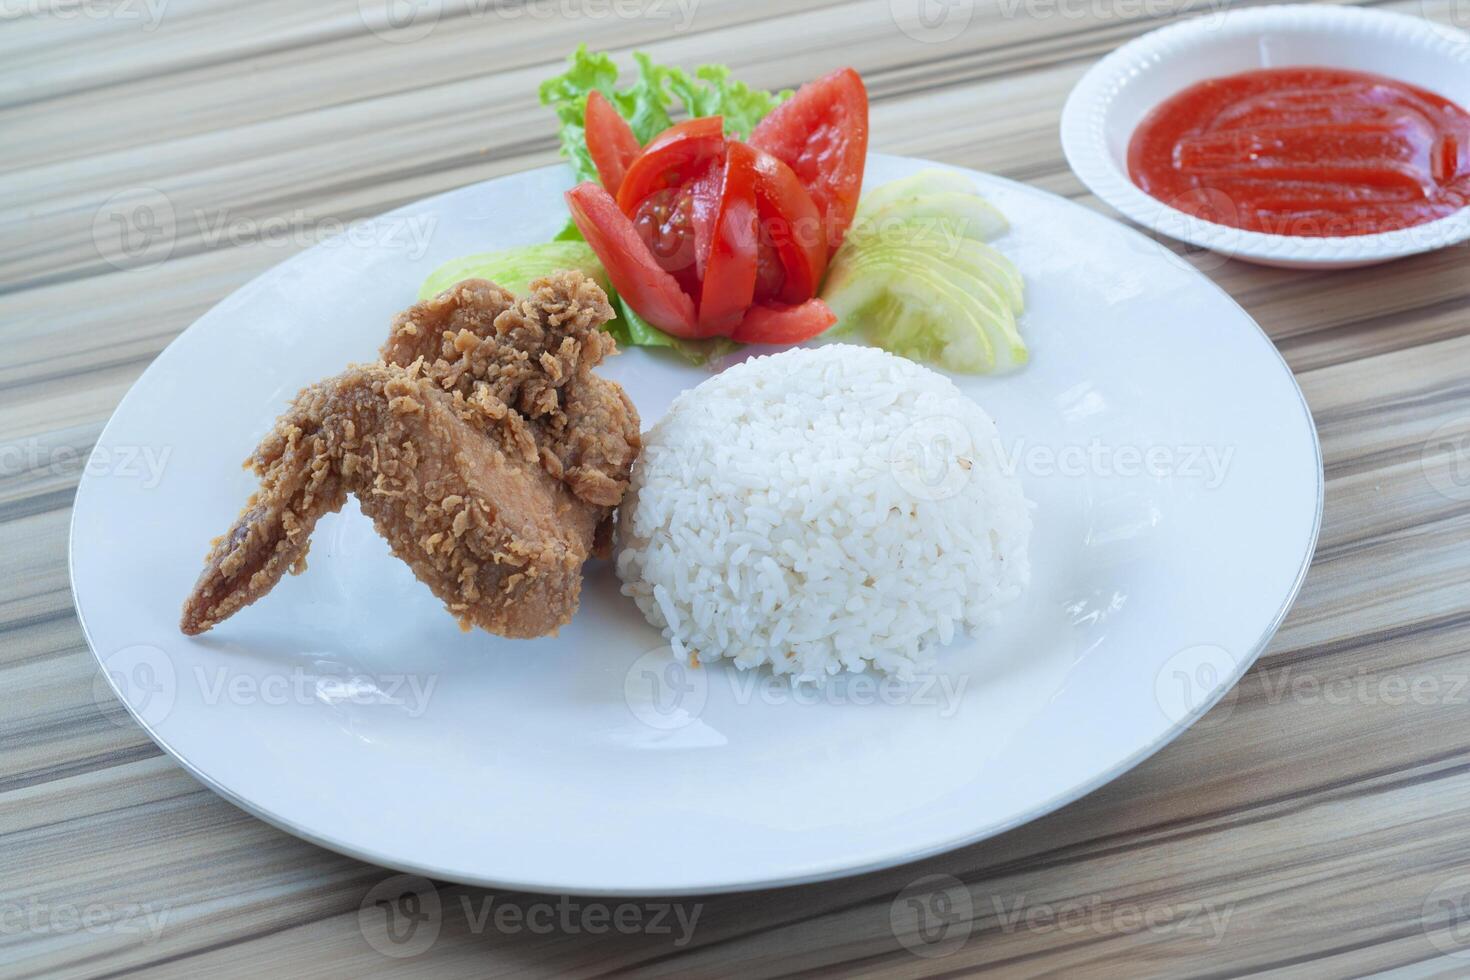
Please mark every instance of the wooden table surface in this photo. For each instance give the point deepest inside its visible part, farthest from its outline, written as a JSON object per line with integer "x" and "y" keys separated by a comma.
{"x": 1315, "y": 823}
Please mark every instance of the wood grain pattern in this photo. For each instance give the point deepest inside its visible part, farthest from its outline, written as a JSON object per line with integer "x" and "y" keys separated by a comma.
{"x": 1297, "y": 830}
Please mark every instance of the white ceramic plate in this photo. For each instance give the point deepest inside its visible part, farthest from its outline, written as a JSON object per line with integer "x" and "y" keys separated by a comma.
{"x": 1110, "y": 101}
{"x": 1177, "y": 482}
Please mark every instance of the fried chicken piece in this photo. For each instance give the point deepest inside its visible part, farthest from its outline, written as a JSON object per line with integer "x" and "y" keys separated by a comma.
{"x": 536, "y": 357}
{"x": 484, "y": 449}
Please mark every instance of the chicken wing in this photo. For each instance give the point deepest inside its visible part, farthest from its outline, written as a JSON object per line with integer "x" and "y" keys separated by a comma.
{"x": 483, "y": 448}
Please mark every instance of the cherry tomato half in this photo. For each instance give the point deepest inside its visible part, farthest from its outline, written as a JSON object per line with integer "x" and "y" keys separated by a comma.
{"x": 610, "y": 141}
{"x": 631, "y": 268}
{"x": 673, "y": 157}
{"x": 821, "y": 133}
{"x": 764, "y": 324}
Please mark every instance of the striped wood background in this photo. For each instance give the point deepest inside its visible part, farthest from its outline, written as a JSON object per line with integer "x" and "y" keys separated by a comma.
{"x": 1326, "y": 838}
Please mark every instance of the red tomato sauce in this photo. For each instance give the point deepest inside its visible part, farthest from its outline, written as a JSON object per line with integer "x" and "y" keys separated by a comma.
{"x": 1311, "y": 152}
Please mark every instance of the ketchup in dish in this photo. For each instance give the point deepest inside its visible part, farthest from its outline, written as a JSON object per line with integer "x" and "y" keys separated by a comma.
{"x": 1311, "y": 152}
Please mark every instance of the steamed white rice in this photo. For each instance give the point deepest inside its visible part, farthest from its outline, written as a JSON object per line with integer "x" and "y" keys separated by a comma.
{"x": 820, "y": 510}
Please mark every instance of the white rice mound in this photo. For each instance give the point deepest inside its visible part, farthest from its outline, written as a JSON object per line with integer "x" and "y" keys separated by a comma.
{"x": 820, "y": 510}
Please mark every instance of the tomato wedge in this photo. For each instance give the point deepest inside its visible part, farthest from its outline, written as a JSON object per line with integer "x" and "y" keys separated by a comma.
{"x": 792, "y": 224}
{"x": 727, "y": 239}
{"x": 610, "y": 141}
{"x": 764, "y": 324}
{"x": 673, "y": 157}
{"x": 631, "y": 267}
{"x": 821, "y": 133}
{"x": 704, "y": 211}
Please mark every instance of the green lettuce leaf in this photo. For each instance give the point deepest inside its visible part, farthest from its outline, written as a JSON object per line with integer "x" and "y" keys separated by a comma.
{"x": 649, "y": 102}
{"x": 712, "y": 92}
{"x": 514, "y": 268}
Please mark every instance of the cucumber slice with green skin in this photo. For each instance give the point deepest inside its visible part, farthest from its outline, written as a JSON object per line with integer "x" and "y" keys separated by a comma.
{"x": 984, "y": 262}
{"x": 990, "y": 265}
{"x": 990, "y": 302}
{"x": 941, "y": 319}
{"x": 515, "y": 268}
{"x": 951, "y": 214}
{"x": 921, "y": 184}
{"x": 954, "y": 299}
{"x": 917, "y": 275}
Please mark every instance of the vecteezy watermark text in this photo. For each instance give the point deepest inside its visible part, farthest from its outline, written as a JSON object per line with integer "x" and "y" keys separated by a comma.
{"x": 935, "y": 916}
{"x": 145, "y": 13}
{"x": 1099, "y": 916}
{"x": 935, "y": 457}
{"x": 402, "y": 916}
{"x": 411, "y": 692}
{"x": 408, "y": 235}
{"x": 1105, "y": 10}
{"x": 938, "y": 21}
{"x": 569, "y": 916}
{"x": 144, "y": 464}
{"x": 138, "y": 228}
{"x": 407, "y": 21}
{"x": 147, "y": 680}
{"x": 38, "y": 918}
{"x": 667, "y": 694}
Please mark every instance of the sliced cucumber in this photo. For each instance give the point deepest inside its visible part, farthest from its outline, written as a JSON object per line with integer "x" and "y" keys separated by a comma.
{"x": 917, "y": 276}
{"x": 919, "y": 185}
{"x": 984, "y": 262}
{"x": 952, "y": 301}
{"x": 950, "y": 215}
{"x": 942, "y": 322}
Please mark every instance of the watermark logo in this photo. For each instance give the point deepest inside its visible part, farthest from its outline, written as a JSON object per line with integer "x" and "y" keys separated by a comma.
{"x": 931, "y": 21}
{"x": 663, "y": 691}
{"x": 1445, "y": 459}
{"x": 145, "y": 679}
{"x": 932, "y": 458}
{"x": 400, "y": 21}
{"x": 135, "y": 229}
{"x": 1451, "y": 19}
{"x": 1195, "y": 212}
{"x": 1190, "y": 678}
{"x": 1446, "y": 917}
{"x": 401, "y": 916}
{"x": 933, "y": 916}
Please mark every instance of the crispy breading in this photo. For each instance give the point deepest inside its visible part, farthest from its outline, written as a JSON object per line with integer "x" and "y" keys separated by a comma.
{"x": 483, "y": 447}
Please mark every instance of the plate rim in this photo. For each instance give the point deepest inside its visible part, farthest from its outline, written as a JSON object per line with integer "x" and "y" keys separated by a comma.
{"x": 833, "y": 870}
